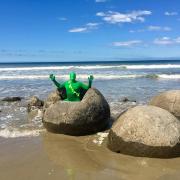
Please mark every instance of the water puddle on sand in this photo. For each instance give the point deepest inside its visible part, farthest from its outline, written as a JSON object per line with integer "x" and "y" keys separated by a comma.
{"x": 88, "y": 158}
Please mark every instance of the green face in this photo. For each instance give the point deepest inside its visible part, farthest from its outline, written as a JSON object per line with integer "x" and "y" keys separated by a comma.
{"x": 72, "y": 76}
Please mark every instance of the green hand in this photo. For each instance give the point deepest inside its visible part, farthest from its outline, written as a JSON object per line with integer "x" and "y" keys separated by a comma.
{"x": 52, "y": 77}
{"x": 90, "y": 78}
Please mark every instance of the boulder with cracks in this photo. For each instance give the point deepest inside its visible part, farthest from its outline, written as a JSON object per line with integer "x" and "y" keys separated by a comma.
{"x": 89, "y": 116}
{"x": 146, "y": 131}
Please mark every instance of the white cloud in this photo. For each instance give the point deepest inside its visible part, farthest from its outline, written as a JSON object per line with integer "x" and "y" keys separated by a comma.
{"x": 152, "y": 28}
{"x": 76, "y": 30}
{"x": 87, "y": 27}
{"x": 92, "y": 25}
{"x": 158, "y": 28}
{"x": 62, "y": 19}
{"x": 163, "y": 41}
{"x": 127, "y": 43}
{"x": 116, "y": 17}
{"x": 132, "y": 31}
{"x": 177, "y": 40}
{"x": 167, "y": 41}
{"x": 171, "y": 13}
{"x": 100, "y": 14}
{"x": 99, "y": 1}
{"x": 166, "y": 28}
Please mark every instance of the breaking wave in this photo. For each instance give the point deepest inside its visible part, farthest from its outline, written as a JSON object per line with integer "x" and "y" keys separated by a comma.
{"x": 97, "y": 76}
{"x": 14, "y": 133}
{"x": 86, "y": 67}
{"x": 80, "y": 76}
{"x": 155, "y": 66}
{"x": 166, "y": 76}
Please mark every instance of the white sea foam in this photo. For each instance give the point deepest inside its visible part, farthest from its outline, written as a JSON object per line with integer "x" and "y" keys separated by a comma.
{"x": 14, "y": 133}
{"x": 86, "y": 67}
{"x": 97, "y": 76}
{"x": 59, "y": 68}
{"x": 80, "y": 76}
{"x": 100, "y": 67}
{"x": 154, "y": 66}
{"x": 99, "y": 140}
{"x": 171, "y": 76}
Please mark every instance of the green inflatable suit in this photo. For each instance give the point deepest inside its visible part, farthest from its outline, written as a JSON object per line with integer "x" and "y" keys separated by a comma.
{"x": 72, "y": 86}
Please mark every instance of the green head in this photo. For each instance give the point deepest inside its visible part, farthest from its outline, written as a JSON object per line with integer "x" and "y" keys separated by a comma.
{"x": 72, "y": 76}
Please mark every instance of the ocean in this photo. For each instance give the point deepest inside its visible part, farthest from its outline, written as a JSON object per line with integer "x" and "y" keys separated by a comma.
{"x": 28, "y": 150}
{"x": 136, "y": 80}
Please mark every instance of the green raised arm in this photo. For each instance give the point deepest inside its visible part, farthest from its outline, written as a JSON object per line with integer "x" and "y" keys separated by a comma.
{"x": 86, "y": 87}
{"x": 53, "y": 79}
{"x": 90, "y": 79}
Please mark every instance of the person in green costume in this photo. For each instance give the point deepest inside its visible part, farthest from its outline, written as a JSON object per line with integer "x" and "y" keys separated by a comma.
{"x": 72, "y": 86}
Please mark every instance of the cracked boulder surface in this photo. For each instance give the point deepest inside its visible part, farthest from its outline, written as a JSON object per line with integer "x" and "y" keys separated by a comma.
{"x": 146, "y": 131}
{"x": 89, "y": 116}
{"x": 169, "y": 100}
{"x": 52, "y": 98}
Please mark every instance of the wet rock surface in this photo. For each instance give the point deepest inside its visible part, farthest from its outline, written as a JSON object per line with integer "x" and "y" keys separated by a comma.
{"x": 90, "y": 115}
{"x": 169, "y": 100}
{"x": 34, "y": 103}
{"x": 52, "y": 98}
{"x": 12, "y": 99}
{"x": 146, "y": 131}
{"x": 126, "y": 99}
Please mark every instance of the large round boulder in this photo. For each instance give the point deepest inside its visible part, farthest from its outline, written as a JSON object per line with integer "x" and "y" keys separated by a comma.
{"x": 146, "y": 131}
{"x": 169, "y": 100}
{"x": 90, "y": 115}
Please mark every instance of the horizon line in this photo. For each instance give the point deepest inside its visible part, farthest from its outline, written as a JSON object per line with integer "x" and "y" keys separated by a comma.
{"x": 93, "y": 61}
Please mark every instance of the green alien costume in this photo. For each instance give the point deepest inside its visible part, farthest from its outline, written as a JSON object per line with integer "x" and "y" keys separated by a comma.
{"x": 72, "y": 86}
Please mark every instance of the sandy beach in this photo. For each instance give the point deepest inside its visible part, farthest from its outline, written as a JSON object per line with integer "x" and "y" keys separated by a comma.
{"x": 53, "y": 156}
{"x": 29, "y": 152}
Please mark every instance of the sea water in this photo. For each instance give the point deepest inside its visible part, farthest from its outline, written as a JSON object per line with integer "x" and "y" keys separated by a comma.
{"x": 137, "y": 80}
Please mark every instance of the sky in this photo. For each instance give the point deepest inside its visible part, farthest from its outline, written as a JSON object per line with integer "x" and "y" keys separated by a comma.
{"x": 89, "y": 30}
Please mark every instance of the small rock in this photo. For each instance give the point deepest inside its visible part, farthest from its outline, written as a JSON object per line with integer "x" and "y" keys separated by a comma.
{"x": 12, "y": 99}
{"x": 34, "y": 103}
{"x": 125, "y": 99}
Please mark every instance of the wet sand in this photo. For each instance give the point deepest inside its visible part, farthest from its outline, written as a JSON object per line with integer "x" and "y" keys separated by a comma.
{"x": 53, "y": 156}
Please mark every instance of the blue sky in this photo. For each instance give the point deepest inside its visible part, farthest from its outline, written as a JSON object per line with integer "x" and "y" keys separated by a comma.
{"x": 85, "y": 30}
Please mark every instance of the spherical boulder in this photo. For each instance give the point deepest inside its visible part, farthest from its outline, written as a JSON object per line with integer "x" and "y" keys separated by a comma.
{"x": 169, "y": 100}
{"x": 88, "y": 116}
{"x": 146, "y": 131}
